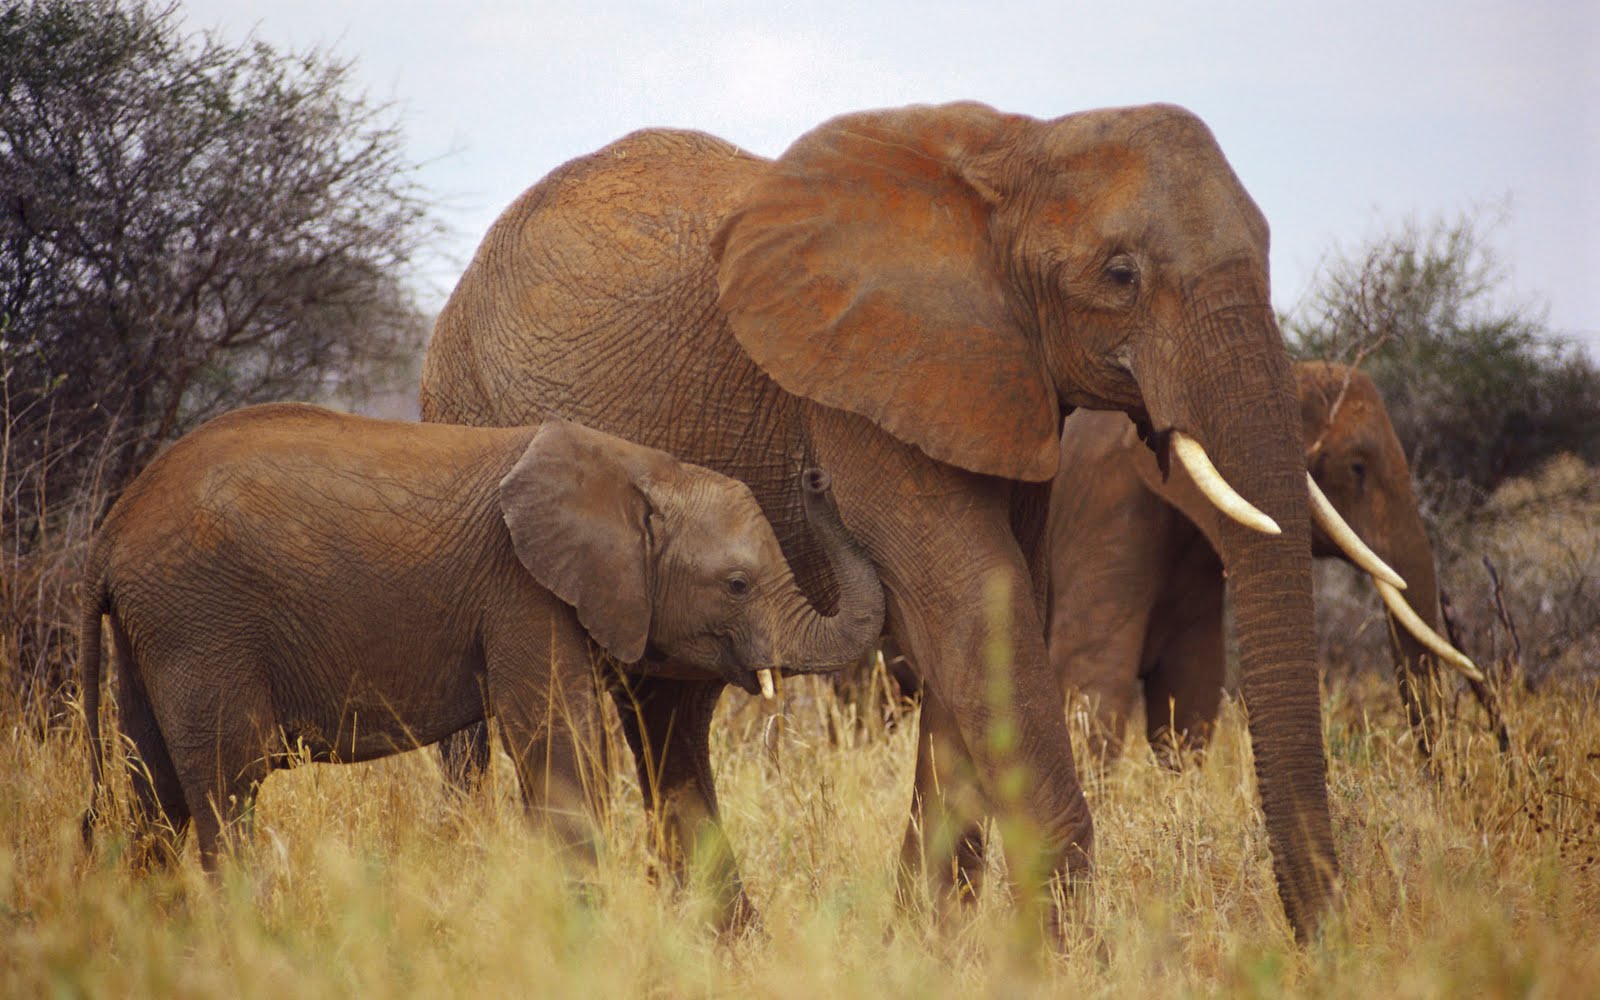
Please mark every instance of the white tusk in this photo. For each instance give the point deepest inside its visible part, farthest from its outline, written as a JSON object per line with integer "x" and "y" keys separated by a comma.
{"x": 1403, "y": 613}
{"x": 767, "y": 690}
{"x": 1345, "y": 537}
{"x": 1216, "y": 489}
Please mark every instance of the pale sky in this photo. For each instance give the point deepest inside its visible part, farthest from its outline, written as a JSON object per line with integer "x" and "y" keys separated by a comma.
{"x": 1342, "y": 119}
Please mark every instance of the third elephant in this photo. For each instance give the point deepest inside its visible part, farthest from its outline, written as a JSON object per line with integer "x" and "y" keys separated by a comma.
{"x": 1136, "y": 603}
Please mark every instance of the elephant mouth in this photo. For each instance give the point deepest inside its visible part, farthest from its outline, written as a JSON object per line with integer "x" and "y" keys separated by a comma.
{"x": 761, "y": 682}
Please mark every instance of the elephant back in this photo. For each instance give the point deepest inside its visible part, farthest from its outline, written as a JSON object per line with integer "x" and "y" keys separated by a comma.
{"x": 593, "y": 298}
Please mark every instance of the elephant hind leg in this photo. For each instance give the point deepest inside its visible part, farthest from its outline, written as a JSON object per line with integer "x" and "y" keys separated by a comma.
{"x": 160, "y": 812}
{"x": 223, "y": 747}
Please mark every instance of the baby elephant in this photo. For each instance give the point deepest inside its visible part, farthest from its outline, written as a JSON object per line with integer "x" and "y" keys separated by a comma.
{"x": 290, "y": 579}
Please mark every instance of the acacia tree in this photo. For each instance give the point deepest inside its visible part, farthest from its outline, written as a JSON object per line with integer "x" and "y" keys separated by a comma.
{"x": 185, "y": 226}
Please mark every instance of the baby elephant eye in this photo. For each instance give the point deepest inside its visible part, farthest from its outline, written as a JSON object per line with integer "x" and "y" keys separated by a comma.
{"x": 738, "y": 584}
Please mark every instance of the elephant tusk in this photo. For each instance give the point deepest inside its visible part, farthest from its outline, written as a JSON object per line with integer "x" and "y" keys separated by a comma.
{"x": 1344, "y": 536}
{"x": 1404, "y": 614}
{"x": 767, "y": 690}
{"x": 1216, "y": 489}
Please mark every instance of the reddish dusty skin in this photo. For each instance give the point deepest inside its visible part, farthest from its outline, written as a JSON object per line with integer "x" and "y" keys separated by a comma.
{"x": 912, "y": 298}
{"x": 1137, "y": 585}
{"x": 287, "y": 576}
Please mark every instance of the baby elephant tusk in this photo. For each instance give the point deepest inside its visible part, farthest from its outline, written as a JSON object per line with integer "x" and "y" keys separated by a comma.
{"x": 767, "y": 690}
{"x": 1403, "y": 613}
{"x": 1345, "y": 537}
{"x": 1216, "y": 489}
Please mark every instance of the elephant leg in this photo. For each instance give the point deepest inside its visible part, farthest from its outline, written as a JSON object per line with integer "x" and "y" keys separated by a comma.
{"x": 1417, "y": 677}
{"x": 1007, "y": 711}
{"x": 667, "y": 723}
{"x": 222, "y": 750}
{"x": 866, "y": 693}
{"x": 464, "y": 756}
{"x": 160, "y": 812}
{"x": 961, "y": 604}
{"x": 1112, "y": 548}
{"x": 855, "y": 697}
{"x": 944, "y": 837}
{"x": 1183, "y": 693}
{"x": 1111, "y": 703}
{"x": 1187, "y": 659}
{"x": 543, "y": 691}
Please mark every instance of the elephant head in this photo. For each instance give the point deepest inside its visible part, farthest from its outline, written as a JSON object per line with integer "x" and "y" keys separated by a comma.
{"x": 1353, "y": 455}
{"x": 662, "y": 555}
{"x": 963, "y": 277}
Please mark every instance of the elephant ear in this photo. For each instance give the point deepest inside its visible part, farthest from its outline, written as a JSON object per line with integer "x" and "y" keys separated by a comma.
{"x": 860, "y": 272}
{"x": 579, "y": 525}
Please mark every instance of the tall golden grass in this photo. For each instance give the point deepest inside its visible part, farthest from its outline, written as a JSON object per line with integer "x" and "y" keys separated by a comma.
{"x": 1478, "y": 877}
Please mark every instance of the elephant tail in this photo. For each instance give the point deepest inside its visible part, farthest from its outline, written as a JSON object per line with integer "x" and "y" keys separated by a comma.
{"x": 96, "y": 604}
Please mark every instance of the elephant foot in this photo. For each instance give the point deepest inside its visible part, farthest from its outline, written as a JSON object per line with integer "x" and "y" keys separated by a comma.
{"x": 723, "y": 907}
{"x": 739, "y": 919}
{"x": 948, "y": 867}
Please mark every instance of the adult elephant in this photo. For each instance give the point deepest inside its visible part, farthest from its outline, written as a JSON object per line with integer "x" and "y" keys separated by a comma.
{"x": 912, "y": 299}
{"x": 1136, "y": 589}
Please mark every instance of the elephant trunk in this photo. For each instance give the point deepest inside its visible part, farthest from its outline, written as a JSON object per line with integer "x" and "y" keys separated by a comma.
{"x": 814, "y": 641}
{"x": 1273, "y": 617}
{"x": 1239, "y": 401}
{"x": 1416, "y": 669}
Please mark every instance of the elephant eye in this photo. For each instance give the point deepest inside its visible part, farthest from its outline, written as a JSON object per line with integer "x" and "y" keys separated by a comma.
{"x": 738, "y": 584}
{"x": 1122, "y": 270}
{"x": 1358, "y": 469}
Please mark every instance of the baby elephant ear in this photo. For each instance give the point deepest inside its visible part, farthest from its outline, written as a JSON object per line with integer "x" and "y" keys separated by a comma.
{"x": 578, "y": 524}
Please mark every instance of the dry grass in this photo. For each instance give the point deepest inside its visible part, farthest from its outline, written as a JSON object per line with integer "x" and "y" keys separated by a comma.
{"x": 371, "y": 880}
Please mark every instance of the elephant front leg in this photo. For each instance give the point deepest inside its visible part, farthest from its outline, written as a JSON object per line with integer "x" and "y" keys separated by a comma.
{"x": 1005, "y": 710}
{"x": 961, "y": 604}
{"x": 667, "y": 723}
{"x": 543, "y": 691}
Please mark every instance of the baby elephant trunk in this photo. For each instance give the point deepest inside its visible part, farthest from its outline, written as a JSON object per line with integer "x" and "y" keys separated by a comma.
{"x": 821, "y": 642}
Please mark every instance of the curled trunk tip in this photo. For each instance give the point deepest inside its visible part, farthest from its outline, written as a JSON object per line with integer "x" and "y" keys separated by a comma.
{"x": 828, "y": 642}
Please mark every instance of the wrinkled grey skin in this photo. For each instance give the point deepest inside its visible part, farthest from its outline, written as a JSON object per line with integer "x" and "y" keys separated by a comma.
{"x": 913, "y": 298}
{"x": 1136, "y": 601}
{"x": 288, "y": 578}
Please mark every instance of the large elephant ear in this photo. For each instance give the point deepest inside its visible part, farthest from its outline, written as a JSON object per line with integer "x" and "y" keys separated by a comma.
{"x": 579, "y": 525}
{"x": 860, "y": 272}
